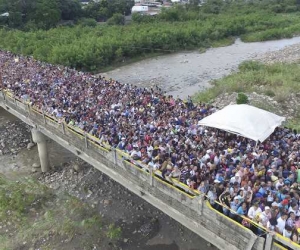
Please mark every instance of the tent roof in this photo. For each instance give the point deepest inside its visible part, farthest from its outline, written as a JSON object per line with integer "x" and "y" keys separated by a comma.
{"x": 244, "y": 120}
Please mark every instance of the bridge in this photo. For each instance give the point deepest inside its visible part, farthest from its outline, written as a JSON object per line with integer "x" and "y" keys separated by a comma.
{"x": 188, "y": 207}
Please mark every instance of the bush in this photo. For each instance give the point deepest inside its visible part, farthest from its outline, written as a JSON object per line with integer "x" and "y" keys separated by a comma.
{"x": 88, "y": 22}
{"x": 116, "y": 19}
{"x": 114, "y": 233}
{"x": 242, "y": 99}
{"x": 139, "y": 18}
{"x": 270, "y": 93}
{"x": 250, "y": 65}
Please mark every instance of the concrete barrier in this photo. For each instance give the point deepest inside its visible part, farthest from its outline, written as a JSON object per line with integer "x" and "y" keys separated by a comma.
{"x": 187, "y": 208}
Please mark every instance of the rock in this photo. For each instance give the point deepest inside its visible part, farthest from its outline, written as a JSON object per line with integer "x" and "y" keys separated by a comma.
{"x": 125, "y": 240}
{"x": 208, "y": 244}
{"x": 36, "y": 165}
{"x": 76, "y": 167}
{"x": 107, "y": 202}
{"x": 33, "y": 170}
{"x": 30, "y": 145}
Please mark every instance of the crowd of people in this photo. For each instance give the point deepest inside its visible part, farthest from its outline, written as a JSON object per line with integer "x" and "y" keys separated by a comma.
{"x": 260, "y": 181}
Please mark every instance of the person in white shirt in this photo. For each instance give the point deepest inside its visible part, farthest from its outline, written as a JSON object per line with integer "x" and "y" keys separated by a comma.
{"x": 265, "y": 216}
{"x": 281, "y": 222}
{"x": 236, "y": 178}
{"x": 287, "y": 232}
{"x": 253, "y": 211}
{"x": 280, "y": 183}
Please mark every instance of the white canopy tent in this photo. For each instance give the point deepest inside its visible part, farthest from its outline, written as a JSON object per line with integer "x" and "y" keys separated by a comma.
{"x": 244, "y": 120}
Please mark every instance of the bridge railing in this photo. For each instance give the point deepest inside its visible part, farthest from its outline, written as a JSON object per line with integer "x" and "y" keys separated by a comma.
{"x": 86, "y": 140}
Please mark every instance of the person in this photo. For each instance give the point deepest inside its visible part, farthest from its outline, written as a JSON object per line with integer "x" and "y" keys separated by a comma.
{"x": 291, "y": 220}
{"x": 263, "y": 219}
{"x": 225, "y": 200}
{"x": 234, "y": 205}
{"x": 212, "y": 196}
{"x": 287, "y": 232}
{"x": 281, "y": 221}
{"x": 242, "y": 211}
{"x": 254, "y": 211}
{"x": 272, "y": 225}
{"x": 296, "y": 235}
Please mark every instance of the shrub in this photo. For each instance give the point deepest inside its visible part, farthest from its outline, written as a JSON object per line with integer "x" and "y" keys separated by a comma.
{"x": 250, "y": 65}
{"x": 242, "y": 98}
{"x": 139, "y": 18}
{"x": 88, "y": 22}
{"x": 116, "y": 19}
{"x": 270, "y": 93}
{"x": 114, "y": 233}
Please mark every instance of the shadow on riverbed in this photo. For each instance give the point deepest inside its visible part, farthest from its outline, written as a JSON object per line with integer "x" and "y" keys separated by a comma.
{"x": 172, "y": 246}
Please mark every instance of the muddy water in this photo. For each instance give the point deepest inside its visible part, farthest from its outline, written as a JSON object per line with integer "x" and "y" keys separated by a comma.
{"x": 183, "y": 74}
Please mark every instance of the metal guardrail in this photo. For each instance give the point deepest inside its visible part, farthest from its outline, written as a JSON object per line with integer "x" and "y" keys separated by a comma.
{"x": 174, "y": 183}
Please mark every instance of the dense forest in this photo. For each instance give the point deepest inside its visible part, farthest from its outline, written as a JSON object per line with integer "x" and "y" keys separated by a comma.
{"x": 87, "y": 45}
{"x": 46, "y": 14}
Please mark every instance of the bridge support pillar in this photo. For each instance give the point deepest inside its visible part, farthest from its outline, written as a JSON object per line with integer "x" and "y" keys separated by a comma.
{"x": 40, "y": 139}
{"x": 268, "y": 242}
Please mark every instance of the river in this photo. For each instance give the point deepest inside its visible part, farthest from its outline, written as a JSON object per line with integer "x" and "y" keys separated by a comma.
{"x": 185, "y": 73}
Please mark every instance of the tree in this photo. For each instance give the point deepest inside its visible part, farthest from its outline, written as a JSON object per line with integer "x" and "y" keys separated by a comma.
{"x": 104, "y": 9}
{"x": 46, "y": 13}
{"x": 70, "y": 9}
{"x": 116, "y": 19}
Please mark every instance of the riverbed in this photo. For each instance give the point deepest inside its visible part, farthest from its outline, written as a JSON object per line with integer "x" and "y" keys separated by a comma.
{"x": 186, "y": 73}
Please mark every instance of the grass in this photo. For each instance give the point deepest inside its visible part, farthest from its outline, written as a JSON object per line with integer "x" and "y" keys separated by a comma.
{"x": 223, "y": 42}
{"x": 31, "y": 215}
{"x": 272, "y": 34}
{"x": 276, "y": 80}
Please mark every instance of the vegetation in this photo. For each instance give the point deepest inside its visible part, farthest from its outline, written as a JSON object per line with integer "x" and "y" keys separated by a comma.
{"x": 105, "y": 9}
{"x": 116, "y": 19}
{"x": 38, "y": 14}
{"x": 242, "y": 98}
{"x": 46, "y": 14}
{"x": 114, "y": 232}
{"x": 88, "y": 46}
{"x": 91, "y": 48}
{"x": 277, "y": 81}
{"x": 32, "y": 215}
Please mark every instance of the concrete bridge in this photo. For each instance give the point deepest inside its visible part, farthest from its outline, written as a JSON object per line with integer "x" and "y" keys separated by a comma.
{"x": 176, "y": 200}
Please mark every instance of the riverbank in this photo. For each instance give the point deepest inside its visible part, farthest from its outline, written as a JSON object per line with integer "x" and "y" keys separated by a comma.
{"x": 184, "y": 74}
{"x": 271, "y": 82}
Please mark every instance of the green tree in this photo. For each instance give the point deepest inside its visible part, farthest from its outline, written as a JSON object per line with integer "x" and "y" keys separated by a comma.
{"x": 45, "y": 13}
{"x": 105, "y": 9}
{"x": 70, "y": 9}
{"x": 116, "y": 19}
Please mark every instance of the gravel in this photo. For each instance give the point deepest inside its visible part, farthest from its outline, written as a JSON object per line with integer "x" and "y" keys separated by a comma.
{"x": 14, "y": 137}
{"x": 290, "y": 54}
